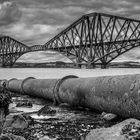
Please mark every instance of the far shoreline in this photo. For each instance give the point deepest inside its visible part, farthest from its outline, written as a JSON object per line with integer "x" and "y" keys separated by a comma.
{"x": 60, "y": 64}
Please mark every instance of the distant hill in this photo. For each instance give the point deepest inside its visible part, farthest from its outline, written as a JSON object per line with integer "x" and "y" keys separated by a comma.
{"x": 60, "y": 64}
{"x": 126, "y": 64}
{"x": 57, "y": 64}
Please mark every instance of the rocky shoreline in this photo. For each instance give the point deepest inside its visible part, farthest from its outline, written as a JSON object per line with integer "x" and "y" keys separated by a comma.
{"x": 30, "y": 120}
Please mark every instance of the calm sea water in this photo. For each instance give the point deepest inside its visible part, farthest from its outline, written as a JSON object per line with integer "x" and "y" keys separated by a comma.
{"x": 45, "y": 73}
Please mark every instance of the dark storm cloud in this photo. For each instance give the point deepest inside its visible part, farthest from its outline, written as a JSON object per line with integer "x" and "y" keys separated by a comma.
{"x": 42, "y": 19}
{"x": 9, "y": 13}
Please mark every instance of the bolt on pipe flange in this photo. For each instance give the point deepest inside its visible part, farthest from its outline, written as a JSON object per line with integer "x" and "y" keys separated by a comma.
{"x": 26, "y": 79}
{"x": 56, "y": 97}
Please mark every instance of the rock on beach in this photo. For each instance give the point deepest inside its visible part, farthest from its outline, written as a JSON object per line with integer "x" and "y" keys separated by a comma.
{"x": 129, "y": 129}
{"x": 18, "y": 121}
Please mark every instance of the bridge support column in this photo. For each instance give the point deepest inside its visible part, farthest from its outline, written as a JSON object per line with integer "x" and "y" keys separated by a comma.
{"x": 104, "y": 66}
{"x": 78, "y": 65}
{"x": 3, "y": 65}
{"x": 90, "y": 65}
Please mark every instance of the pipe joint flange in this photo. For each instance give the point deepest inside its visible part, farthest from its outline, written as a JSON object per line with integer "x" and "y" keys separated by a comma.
{"x": 26, "y": 79}
{"x": 7, "y": 84}
{"x": 56, "y": 97}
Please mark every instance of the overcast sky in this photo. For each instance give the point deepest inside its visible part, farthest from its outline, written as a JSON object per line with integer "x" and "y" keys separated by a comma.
{"x": 36, "y": 21}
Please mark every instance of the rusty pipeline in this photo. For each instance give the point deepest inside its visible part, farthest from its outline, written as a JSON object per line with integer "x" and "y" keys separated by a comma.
{"x": 115, "y": 94}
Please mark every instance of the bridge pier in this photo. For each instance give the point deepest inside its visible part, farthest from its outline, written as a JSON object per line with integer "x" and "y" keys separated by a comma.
{"x": 10, "y": 66}
{"x": 104, "y": 65}
{"x": 78, "y": 65}
{"x": 90, "y": 66}
{"x": 3, "y": 65}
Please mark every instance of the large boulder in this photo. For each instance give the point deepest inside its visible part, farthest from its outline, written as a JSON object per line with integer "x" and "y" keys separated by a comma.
{"x": 18, "y": 121}
{"x": 46, "y": 110}
{"x": 128, "y": 129}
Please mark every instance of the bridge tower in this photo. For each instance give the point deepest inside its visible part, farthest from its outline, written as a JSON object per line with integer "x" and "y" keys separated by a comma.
{"x": 11, "y": 50}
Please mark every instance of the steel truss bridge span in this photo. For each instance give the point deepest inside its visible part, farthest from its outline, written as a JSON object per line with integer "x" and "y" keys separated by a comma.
{"x": 11, "y": 50}
{"x": 94, "y": 38}
{"x": 97, "y": 38}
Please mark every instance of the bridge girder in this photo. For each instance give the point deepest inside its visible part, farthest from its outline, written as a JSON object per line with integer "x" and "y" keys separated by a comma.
{"x": 11, "y": 50}
{"x": 92, "y": 39}
{"x": 97, "y": 38}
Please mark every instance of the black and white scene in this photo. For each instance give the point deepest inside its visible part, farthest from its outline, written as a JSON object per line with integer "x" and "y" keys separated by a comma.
{"x": 69, "y": 69}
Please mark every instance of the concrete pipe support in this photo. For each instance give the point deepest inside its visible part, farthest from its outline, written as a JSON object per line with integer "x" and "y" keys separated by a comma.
{"x": 115, "y": 94}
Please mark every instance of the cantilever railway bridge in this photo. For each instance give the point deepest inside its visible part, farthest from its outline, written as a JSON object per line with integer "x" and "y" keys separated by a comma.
{"x": 94, "y": 38}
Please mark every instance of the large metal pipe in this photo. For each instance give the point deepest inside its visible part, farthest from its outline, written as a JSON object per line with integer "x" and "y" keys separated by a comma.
{"x": 115, "y": 94}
